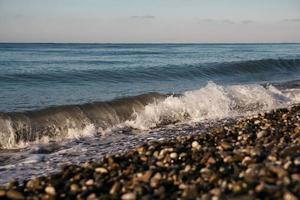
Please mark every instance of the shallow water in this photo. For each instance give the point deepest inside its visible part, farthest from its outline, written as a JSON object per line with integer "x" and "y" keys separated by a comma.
{"x": 39, "y": 160}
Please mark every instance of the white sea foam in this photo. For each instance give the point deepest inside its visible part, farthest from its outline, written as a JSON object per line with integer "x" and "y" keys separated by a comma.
{"x": 72, "y": 133}
{"x": 213, "y": 102}
{"x": 7, "y": 140}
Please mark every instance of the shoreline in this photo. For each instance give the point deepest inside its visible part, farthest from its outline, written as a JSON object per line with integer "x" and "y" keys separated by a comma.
{"x": 256, "y": 157}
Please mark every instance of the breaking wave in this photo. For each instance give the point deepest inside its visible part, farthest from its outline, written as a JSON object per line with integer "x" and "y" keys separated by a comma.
{"x": 213, "y": 102}
{"x": 141, "y": 112}
{"x": 73, "y": 121}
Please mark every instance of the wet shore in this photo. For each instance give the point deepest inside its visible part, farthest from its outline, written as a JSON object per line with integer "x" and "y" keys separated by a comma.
{"x": 253, "y": 158}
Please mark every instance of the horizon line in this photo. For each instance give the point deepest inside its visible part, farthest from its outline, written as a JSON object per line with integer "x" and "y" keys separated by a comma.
{"x": 298, "y": 42}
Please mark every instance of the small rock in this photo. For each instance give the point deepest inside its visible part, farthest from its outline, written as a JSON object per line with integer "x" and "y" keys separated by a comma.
{"x": 236, "y": 187}
{"x": 287, "y": 165}
{"x": 74, "y": 187}
{"x": 101, "y": 170}
{"x": 173, "y": 155}
{"x": 260, "y": 187}
{"x": 182, "y": 156}
{"x": 196, "y": 145}
{"x": 155, "y": 180}
{"x": 257, "y": 122}
{"x": 289, "y": 196}
{"x": 297, "y": 161}
{"x": 215, "y": 198}
{"x": 187, "y": 168}
{"x": 247, "y": 160}
{"x": 144, "y": 158}
{"x": 215, "y": 191}
{"x": 115, "y": 188}
{"x": 279, "y": 171}
{"x": 128, "y": 196}
{"x": 89, "y": 182}
{"x": 92, "y": 197}
{"x": 146, "y": 176}
{"x": 211, "y": 160}
{"x": 261, "y": 134}
{"x": 2, "y": 193}
{"x": 228, "y": 159}
{"x": 140, "y": 149}
{"x": 33, "y": 184}
{"x": 226, "y": 146}
{"x": 12, "y": 194}
{"x": 296, "y": 177}
{"x": 50, "y": 190}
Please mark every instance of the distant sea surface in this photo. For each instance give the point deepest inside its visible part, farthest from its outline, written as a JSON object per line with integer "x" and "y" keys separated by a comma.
{"x": 34, "y": 76}
{"x": 68, "y": 103}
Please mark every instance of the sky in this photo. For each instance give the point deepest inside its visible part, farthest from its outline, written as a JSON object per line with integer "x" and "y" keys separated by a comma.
{"x": 150, "y": 21}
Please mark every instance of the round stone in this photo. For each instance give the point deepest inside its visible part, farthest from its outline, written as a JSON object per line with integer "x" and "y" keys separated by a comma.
{"x": 129, "y": 196}
{"x": 173, "y": 155}
{"x": 50, "y": 190}
{"x": 12, "y": 194}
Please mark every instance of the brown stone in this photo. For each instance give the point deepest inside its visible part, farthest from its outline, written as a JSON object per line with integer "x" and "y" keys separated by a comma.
{"x": 226, "y": 146}
{"x": 115, "y": 188}
{"x": 33, "y": 184}
{"x": 15, "y": 195}
{"x": 145, "y": 177}
{"x": 50, "y": 190}
{"x": 2, "y": 193}
{"x": 129, "y": 196}
{"x": 289, "y": 196}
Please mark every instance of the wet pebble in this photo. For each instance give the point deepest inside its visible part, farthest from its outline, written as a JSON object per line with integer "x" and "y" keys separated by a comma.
{"x": 15, "y": 195}
{"x": 128, "y": 196}
{"x": 50, "y": 190}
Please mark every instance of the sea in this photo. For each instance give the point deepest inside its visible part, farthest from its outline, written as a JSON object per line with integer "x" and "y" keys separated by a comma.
{"x": 64, "y": 104}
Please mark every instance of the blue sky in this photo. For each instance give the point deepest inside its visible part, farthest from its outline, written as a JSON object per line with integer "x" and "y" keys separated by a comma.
{"x": 150, "y": 20}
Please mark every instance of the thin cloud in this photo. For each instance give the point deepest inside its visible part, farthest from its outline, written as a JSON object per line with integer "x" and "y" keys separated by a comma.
{"x": 143, "y": 17}
{"x": 208, "y": 20}
{"x": 247, "y": 21}
{"x": 292, "y": 20}
{"x": 228, "y": 21}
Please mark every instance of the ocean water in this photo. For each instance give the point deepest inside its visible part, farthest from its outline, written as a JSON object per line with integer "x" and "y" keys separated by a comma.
{"x": 69, "y": 103}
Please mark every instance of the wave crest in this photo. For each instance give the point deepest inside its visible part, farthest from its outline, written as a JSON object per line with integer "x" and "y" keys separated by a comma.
{"x": 211, "y": 102}
{"x": 141, "y": 112}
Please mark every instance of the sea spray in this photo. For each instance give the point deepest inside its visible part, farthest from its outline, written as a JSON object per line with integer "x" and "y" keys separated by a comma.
{"x": 210, "y": 103}
{"x": 68, "y": 122}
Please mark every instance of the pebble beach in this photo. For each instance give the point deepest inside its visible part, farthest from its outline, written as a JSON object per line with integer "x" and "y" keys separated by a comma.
{"x": 254, "y": 158}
